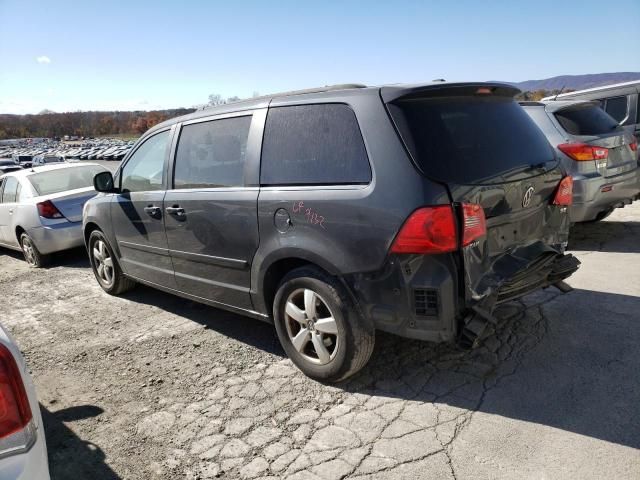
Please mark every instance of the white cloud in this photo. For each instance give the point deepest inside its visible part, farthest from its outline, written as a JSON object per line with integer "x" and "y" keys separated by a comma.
{"x": 43, "y": 59}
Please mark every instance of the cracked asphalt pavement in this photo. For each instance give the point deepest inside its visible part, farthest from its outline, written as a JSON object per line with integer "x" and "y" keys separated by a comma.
{"x": 150, "y": 386}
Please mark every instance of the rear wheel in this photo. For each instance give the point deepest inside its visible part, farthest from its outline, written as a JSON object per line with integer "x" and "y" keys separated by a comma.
{"x": 105, "y": 266}
{"x": 31, "y": 253}
{"x": 318, "y": 326}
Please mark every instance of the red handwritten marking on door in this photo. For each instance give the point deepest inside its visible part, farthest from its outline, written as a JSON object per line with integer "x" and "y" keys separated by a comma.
{"x": 311, "y": 215}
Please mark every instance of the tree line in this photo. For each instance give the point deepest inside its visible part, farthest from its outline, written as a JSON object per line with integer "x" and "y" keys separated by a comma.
{"x": 84, "y": 124}
{"x": 91, "y": 124}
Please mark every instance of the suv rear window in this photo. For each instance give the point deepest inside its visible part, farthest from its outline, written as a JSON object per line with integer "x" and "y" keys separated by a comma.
{"x": 60, "y": 180}
{"x": 470, "y": 139}
{"x": 313, "y": 145}
{"x": 586, "y": 119}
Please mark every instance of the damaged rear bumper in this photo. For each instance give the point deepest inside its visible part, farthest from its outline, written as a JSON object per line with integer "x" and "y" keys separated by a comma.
{"x": 418, "y": 296}
{"x": 543, "y": 272}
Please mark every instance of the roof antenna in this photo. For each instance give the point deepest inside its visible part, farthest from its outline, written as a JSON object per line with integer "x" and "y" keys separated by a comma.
{"x": 556, "y": 97}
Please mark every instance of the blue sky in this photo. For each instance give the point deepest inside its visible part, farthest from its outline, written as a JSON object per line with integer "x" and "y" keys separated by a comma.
{"x": 103, "y": 55}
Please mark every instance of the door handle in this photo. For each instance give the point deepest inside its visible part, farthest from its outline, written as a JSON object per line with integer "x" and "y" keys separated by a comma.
{"x": 175, "y": 210}
{"x": 152, "y": 211}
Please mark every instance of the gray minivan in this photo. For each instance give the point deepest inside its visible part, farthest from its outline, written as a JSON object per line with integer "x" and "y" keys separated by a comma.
{"x": 598, "y": 153}
{"x": 340, "y": 211}
{"x": 621, "y": 101}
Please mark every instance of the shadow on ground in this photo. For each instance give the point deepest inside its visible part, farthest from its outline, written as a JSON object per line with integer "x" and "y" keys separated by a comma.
{"x": 605, "y": 236}
{"x": 74, "y": 258}
{"x": 248, "y": 330}
{"x": 70, "y": 457}
{"x": 569, "y": 362}
{"x": 565, "y": 361}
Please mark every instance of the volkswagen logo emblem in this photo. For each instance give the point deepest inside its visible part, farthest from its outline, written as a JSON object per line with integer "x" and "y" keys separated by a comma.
{"x": 526, "y": 198}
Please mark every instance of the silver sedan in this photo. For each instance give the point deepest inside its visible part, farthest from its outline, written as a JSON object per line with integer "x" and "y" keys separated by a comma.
{"x": 41, "y": 208}
{"x": 23, "y": 448}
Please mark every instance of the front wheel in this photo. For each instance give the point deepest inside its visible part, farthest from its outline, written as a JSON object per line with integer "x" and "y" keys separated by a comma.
{"x": 318, "y": 326}
{"x": 105, "y": 266}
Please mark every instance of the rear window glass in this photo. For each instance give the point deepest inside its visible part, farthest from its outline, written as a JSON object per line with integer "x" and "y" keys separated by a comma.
{"x": 586, "y": 119}
{"x": 471, "y": 139}
{"x": 617, "y": 107}
{"x": 56, "y": 181}
{"x": 313, "y": 145}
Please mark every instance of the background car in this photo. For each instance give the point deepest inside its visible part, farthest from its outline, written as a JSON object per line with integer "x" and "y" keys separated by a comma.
{"x": 41, "y": 208}
{"x": 24, "y": 161}
{"x": 40, "y": 160}
{"x": 23, "y": 449}
{"x": 621, "y": 101}
{"x": 7, "y": 166}
{"x": 600, "y": 156}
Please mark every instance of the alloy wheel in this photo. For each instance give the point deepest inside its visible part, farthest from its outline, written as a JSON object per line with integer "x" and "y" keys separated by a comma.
{"x": 29, "y": 253}
{"x": 103, "y": 262}
{"x": 311, "y": 326}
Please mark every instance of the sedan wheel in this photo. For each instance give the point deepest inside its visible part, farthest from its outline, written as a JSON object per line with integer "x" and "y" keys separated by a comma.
{"x": 31, "y": 253}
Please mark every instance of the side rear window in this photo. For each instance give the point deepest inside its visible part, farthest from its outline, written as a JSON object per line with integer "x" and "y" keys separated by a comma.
{"x": 617, "y": 108}
{"x": 586, "y": 119}
{"x": 313, "y": 145}
{"x": 212, "y": 154}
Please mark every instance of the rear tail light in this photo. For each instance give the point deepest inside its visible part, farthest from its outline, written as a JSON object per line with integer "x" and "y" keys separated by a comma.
{"x": 433, "y": 229}
{"x": 48, "y": 210}
{"x": 582, "y": 152}
{"x": 475, "y": 225}
{"x": 17, "y": 428}
{"x": 564, "y": 193}
{"x": 634, "y": 145}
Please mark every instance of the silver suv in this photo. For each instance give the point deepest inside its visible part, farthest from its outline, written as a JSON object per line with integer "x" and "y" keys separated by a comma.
{"x": 595, "y": 150}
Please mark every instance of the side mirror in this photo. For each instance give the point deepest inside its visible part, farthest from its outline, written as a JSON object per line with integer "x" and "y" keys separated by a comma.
{"x": 103, "y": 182}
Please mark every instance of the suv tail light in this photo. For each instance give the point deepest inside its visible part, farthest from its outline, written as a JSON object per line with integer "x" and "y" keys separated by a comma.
{"x": 17, "y": 428}
{"x": 582, "y": 152}
{"x": 475, "y": 225}
{"x": 47, "y": 209}
{"x": 634, "y": 145}
{"x": 433, "y": 229}
{"x": 564, "y": 193}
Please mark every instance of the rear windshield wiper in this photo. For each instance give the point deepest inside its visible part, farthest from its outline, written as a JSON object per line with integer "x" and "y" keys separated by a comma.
{"x": 525, "y": 169}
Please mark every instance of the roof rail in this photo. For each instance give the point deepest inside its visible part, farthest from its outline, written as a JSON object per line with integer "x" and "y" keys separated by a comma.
{"x": 326, "y": 88}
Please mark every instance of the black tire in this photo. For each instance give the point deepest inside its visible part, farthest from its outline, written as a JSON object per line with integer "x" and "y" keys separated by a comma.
{"x": 31, "y": 253}
{"x": 119, "y": 283}
{"x": 349, "y": 349}
{"x": 600, "y": 216}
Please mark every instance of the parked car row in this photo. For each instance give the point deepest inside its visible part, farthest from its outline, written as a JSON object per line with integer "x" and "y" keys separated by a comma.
{"x": 340, "y": 211}
{"x": 45, "y": 152}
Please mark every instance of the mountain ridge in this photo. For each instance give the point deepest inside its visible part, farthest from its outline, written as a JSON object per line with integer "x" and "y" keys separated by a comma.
{"x": 577, "y": 82}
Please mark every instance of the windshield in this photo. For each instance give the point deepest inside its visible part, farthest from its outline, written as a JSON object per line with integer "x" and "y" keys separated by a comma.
{"x": 471, "y": 139}
{"x": 56, "y": 181}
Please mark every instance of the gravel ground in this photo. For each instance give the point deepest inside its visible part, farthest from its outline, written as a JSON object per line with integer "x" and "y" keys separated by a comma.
{"x": 150, "y": 386}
